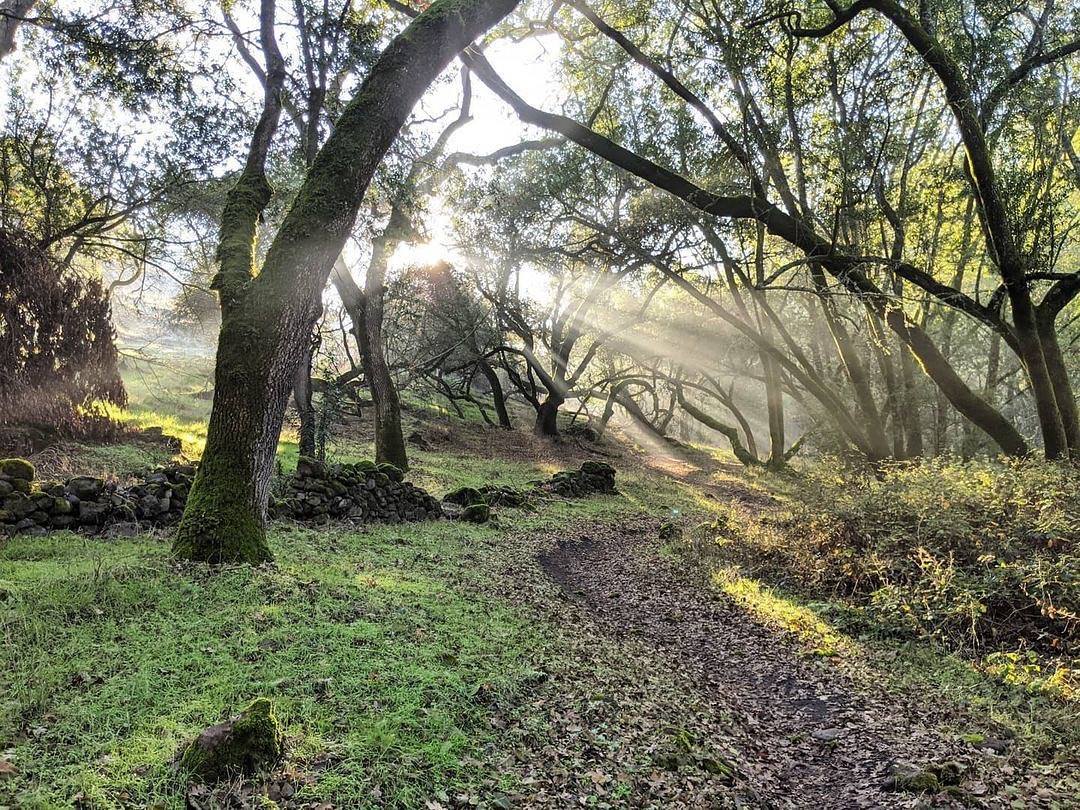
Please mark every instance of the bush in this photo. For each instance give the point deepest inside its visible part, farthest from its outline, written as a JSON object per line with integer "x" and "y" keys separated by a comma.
{"x": 981, "y": 554}
{"x": 56, "y": 344}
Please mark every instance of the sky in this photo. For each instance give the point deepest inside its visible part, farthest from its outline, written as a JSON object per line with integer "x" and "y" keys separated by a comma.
{"x": 530, "y": 67}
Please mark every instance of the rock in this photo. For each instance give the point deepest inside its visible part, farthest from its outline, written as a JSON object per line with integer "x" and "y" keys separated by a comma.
{"x": 993, "y": 745}
{"x": 932, "y": 779}
{"x": 18, "y": 506}
{"x": 22, "y": 485}
{"x": 18, "y": 469}
{"x": 148, "y": 506}
{"x": 93, "y": 513}
{"x": 310, "y": 468}
{"x": 476, "y": 513}
{"x": 417, "y": 439}
{"x": 464, "y": 496}
{"x": 6, "y": 488}
{"x": 247, "y": 744}
{"x": 827, "y": 735}
{"x": 86, "y": 488}
{"x": 391, "y": 471}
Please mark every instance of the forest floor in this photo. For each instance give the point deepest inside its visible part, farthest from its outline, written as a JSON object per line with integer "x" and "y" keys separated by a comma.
{"x": 580, "y": 654}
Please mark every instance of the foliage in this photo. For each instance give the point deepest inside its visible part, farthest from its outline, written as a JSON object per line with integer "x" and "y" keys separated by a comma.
{"x": 56, "y": 344}
{"x": 983, "y": 555}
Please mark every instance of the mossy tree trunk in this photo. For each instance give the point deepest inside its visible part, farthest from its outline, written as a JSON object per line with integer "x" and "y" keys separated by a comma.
{"x": 267, "y": 317}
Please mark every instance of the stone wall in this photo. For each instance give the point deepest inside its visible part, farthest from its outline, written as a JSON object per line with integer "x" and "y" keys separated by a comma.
{"x": 364, "y": 492}
{"x": 316, "y": 493}
{"x": 593, "y": 477}
{"x": 88, "y": 503}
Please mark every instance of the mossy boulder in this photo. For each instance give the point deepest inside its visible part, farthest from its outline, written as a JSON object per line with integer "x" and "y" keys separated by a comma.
{"x": 247, "y": 744}
{"x": 934, "y": 778}
{"x": 464, "y": 496}
{"x": 391, "y": 471}
{"x": 476, "y": 513}
{"x": 18, "y": 468}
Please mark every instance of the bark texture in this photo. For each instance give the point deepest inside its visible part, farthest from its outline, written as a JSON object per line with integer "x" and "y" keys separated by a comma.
{"x": 268, "y": 319}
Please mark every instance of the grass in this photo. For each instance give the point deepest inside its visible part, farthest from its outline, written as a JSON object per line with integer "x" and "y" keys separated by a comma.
{"x": 386, "y": 653}
{"x": 373, "y": 646}
{"x": 383, "y": 653}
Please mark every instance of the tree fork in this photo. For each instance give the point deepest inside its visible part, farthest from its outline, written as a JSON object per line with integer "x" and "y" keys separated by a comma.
{"x": 270, "y": 316}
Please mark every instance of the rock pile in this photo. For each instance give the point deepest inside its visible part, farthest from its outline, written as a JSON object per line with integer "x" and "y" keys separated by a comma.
{"x": 592, "y": 477}
{"x": 85, "y": 502}
{"x": 363, "y": 492}
{"x": 474, "y": 504}
{"x": 317, "y": 492}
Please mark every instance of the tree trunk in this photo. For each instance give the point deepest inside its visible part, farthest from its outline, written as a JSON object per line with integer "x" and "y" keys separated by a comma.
{"x": 269, "y": 316}
{"x": 974, "y": 407}
{"x": 910, "y": 406}
{"x": 745, "y": 457}
{"x": 1059, "y": 377}
{"x": 547, "y": 416}
{"x": 497, "y": 393}
{"x": 11, "y": 12}
{"x": 774, "y": 398}
{"x": 305, "y": 408}
{"x": 389, "y": 440}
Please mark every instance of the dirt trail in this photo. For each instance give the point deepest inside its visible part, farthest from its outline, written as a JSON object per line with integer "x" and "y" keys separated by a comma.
{"x": 807, "y": 737}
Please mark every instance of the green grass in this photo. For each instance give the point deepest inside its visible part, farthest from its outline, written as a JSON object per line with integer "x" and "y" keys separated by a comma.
{"x": 382, "y": 652}
{"x": 113, "y": 657}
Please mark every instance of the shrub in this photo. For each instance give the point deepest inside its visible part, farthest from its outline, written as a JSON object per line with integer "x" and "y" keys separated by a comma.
{"x": 58, "y": 362}
{"x": 983, "y": 554}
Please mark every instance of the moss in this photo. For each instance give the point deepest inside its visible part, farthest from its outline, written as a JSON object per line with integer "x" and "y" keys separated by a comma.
{"x": 17, "y": 468}
{"x": 391, "y": 471}
{"x": 464, "y": 496}
{"x": 22, "y": 485}
{"x": 476, "y": 513}
{"x": 249, "y": 743}
{"x": 219, "y": 525}
{"x": 918, "y": 782}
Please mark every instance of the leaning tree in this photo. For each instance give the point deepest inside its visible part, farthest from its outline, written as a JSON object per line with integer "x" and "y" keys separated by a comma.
{"x": 268, "y": 312}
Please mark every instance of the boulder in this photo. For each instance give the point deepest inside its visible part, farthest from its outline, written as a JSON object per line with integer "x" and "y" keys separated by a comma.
{"x": 464, "y": 496}
{"x": 93, "y": 513}
{"x": 86, "y": 488}
{"x": 18, "y": 469}
{"x": 476, "y": 513}
{"x": 247, "y": 744}
{"x": 307, "y": 467}
{"x": 391, "y": 471}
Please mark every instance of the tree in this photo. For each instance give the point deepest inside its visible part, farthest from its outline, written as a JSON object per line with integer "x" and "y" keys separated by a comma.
{"x": 824, "y": 248}
{"x": 267, "y": 316}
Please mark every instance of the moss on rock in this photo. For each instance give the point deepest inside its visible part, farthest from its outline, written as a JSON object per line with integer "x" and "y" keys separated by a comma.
{"x": 18, "y": 468}
{"x": 250, "y": 743}
{"x": 476, "y": 513}
{"x": 391, "y": 471}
